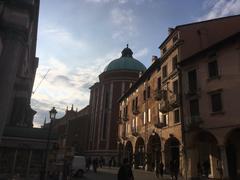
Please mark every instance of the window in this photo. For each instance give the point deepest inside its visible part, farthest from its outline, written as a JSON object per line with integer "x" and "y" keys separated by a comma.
{"x": 144, "y": 117}
{"x": 149, "y": 115}
{"x": 159, "y": 83}
{"x": 213, "y": 69}
{"x": 194, "y": 108}
{"x": 165, "y": 119}
{"x": 164, "y": 71}
{"x": 174, "y": 63}
{"x": 176, "y": 116}
{"x": 175, "y": 38}
{"x": 216, "y": 102}
{"x": 164, "y": 50}
{"x": 175, "y": 87}
{"x": 192, "y": 80}
{"x": 148, "y": 91}
{"x": 135, "y": 104}
{"x": 144, "y": 95}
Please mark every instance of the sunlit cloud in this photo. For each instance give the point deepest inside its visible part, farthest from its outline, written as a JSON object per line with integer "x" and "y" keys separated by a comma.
{"x": 220, "y": 8}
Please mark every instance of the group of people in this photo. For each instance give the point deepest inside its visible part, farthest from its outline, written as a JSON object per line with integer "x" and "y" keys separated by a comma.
{"x": 125, "y": 171}
{"x": 95, "y": 163}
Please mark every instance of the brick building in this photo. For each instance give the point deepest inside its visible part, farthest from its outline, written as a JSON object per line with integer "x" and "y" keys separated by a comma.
{"x": 157, "y": 111}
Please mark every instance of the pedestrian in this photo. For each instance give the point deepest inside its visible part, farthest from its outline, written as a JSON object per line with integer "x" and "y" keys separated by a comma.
{"x": 161, "y": 166}
{"x": 206, "y": 168}
{"x": 157, "y": 169}
{"x": 125, "y": 171}
{"x": 95, "y": 165}
{"x": 171, "y": 167}
{"x": 176, "y": 168}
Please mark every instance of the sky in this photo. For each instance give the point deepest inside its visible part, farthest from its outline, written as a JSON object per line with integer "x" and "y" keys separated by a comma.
{"x": 78, "y": 38}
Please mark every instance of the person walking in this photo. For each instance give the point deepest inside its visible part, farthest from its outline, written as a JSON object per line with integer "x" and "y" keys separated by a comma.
{"x": 176, "y": 168}
{"x": 157, "y": 169}
{"x": 125, "y": 171}
{"x": 161, "y": 166}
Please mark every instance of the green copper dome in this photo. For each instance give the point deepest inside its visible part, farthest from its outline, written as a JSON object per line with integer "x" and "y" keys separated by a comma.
{"x": 126, "y": 62}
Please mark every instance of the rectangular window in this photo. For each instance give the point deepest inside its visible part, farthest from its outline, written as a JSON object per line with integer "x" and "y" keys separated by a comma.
{"x": 194, "y": 107}
{"x": 216, "y": 102}
{"x": 148, "y": 91}
{"x": 133, "y": 104}
{"x": 165, "y": 119}
{"x": 192, "y": 80}
{"x": 175, "y": 87}
{"x": 164, "y": 50}
{"x": 175, "y": 38}
{"x": 213, "y": 69}
{"x": 164, "y": 71}
{"x": 144, "y": 117}
{"x": 144, "y": 95}
{"x": 159, "y": 83}
{"x": 174, "y": 63}
{"x": 176, "y": 116}
{"x": 149, "y": 115}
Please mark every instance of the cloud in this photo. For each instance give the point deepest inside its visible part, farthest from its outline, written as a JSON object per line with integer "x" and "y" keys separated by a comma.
{"x": 65, "y": 85}
{"x": 143, "y": 52}
{"x": 124, "y": 23}
{"x": 220, "y": 8}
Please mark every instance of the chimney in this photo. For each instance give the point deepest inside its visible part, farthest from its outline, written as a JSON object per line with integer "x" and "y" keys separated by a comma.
{"x": 154, "y": 58}
{"x": 170, "y": 30}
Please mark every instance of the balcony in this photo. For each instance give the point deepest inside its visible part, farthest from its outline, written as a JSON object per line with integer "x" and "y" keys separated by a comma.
{"x": 125, "y": 117}
{"x": 194, "y": 122}
{"x": 193, "y": 92}
{"x": 174, "y": 100}
{"x": 160, "y": 125}
{"x": 164, "y": 106}
{"x": 158, "y": 94}
{"x": 135, "y": 110}
{"x": 134, "y": 131}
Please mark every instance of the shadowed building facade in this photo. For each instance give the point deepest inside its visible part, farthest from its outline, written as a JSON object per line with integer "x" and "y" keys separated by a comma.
{"x": 18, "y": 63}
{"x": 182, "y": 109}
{"x": 104, "y": 109}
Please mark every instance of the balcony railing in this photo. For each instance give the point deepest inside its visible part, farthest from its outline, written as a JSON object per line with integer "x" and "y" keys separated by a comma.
{"x": 160, "y": 125}
{"x": 194, "y": 122}
{"x": 135, "y": 110}
{"x": 135, "y": 131}
{"x": 125, "y": 117}
{"x": 164, "y": 106}
{"x": 174, "y": 100}
{"x": 193, "y": 92}
{"x": 158, "y": 94}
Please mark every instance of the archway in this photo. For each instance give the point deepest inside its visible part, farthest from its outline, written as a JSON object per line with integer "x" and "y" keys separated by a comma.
{"x": 129, "y": 151}
{"x": 233, "y": 154}
{"x": 153, "y": 151}
{"x": 171, "y": 151}
{"x": 206, "y": 155}
{"x": 139, "y": 153}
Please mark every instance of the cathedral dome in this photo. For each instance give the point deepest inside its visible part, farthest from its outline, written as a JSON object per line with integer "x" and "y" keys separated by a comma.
{"x": 125, "y": 62}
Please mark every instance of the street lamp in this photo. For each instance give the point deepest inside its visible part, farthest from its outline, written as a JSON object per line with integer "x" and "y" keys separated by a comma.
{"x": 52, "y": 114}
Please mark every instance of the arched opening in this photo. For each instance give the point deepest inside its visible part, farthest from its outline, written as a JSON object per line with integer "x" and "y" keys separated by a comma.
{"x": 171, "y": 151}
{"x": 139, "y": 153}
{"x": 233, "y": 154}
{"x": 129, "y": 151}
{"x": 207, "y": 155}
{"x": 153, "y": 151}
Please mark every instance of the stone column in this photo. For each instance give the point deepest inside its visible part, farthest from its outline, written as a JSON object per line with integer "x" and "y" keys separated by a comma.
{"x": 224, "y": 161}
{"x": 14, "y": 162}
{"x": 29, "y": 163}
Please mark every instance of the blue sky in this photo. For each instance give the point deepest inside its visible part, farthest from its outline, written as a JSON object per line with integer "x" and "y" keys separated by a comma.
{"x": 78, "y": 38}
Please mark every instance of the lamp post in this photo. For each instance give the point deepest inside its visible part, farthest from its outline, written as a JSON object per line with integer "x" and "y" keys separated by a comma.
{"x": 52, "y": 114}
